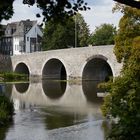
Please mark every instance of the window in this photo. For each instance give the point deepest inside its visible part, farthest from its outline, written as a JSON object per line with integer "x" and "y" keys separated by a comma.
{"x": 27, "y": 38}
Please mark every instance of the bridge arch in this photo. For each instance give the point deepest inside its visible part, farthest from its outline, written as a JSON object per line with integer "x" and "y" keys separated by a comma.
{"x": 97, "y": 68}
{"x": 22, "y": 68}
{"x": 54, "y": 69}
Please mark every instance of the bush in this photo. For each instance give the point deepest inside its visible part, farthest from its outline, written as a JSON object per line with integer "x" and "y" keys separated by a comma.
{"x": 124, "y": 99}
{"x": 6, "y": 109}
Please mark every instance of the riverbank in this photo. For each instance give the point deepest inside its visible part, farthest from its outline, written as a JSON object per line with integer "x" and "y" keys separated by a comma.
{"x": 6, "y": 106}
{"x": 6, "y": 110}
{"x": 10, "y": 77}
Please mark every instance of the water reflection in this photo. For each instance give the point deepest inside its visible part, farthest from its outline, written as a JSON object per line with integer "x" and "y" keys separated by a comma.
{"x": 73, "y": 115}
{"x": 6, "y": 89}
{"x": 2, "y": 89}
{"x": 91, "y": 91}
{"x": 54, "y": 89}
{"x": 57, "y": 93}
{"x": 60, "y": 119}
{"x": 22, "y": 87}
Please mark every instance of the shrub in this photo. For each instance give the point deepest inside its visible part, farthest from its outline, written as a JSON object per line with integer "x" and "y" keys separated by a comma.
{"x": 6, "y": 109}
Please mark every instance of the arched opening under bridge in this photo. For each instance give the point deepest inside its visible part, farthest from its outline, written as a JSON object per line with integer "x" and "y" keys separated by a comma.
{"x": 97, "y": 70}
{"x": 54, "y": 70}
{"x": 22, "y": 68}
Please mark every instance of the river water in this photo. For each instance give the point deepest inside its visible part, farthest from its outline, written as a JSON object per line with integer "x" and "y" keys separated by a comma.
{"x": 54, "y": 110}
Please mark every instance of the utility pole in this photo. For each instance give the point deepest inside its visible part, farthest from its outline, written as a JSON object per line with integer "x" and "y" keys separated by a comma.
{"x": 75, "y": 32}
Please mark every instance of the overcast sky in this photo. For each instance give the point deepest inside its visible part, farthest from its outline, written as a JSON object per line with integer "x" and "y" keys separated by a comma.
{"x": 101, "y": 12}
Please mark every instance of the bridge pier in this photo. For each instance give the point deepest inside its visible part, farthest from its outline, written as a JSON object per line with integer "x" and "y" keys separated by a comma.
{"x": 35, "y": 78}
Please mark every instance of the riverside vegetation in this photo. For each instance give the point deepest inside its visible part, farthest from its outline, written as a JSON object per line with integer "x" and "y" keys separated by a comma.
{"x": 123, "y": 101}
{"x": 6, "y": 106}
{"x": 11, "y": 77}
{"x": 6, "y": 110}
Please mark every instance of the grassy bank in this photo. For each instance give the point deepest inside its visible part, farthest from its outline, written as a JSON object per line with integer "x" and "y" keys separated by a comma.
{"x": 10, "y": 77}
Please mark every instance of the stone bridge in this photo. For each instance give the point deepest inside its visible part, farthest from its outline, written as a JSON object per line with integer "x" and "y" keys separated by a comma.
{"x": 86, "y": 63}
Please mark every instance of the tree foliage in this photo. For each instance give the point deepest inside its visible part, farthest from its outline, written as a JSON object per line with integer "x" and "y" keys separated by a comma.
{"x": 6, "y": 9}
{"x": 123, "y": 100}
{"x": 129, "y": 28}
{"x": 103, "y": 35}
{"x": 50, "y": 8}
{"x": 63, "y": 34}
{"x": 82, "y": 31}
{"x": 58, "y": 35}
{"x": 6, "y": 110}
{"x": 57, "y": 9}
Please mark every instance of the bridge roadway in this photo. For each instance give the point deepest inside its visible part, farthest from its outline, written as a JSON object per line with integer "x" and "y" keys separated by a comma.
{"x": 85, "y": 63}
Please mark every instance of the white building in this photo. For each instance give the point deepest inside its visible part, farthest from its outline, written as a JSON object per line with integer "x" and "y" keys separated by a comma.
{"x": 21, "y": 37}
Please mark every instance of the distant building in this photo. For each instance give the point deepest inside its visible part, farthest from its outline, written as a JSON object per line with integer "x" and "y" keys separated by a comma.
{"x": 20, "y": 37}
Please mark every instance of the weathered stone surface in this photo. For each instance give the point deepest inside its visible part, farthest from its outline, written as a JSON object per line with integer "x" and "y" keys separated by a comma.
{"x": 73, "y": 59}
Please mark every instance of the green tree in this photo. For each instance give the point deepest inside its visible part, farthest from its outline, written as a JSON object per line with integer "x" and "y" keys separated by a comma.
{"x": 103, "y": 35}
{"x": 58, "y": 35}
{"x": 123, "y": 100}
{"x": 50, "y": 8}
{"x": 6, "y": 9}
{"x": 82, "y": 31}
{"x": 6, "y": 110}
{"x": 67, "y": 33}
{"x": 129, "y": 28}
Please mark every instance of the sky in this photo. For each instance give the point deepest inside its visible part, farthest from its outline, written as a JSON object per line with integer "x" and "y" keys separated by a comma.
{"x": 101, "y": 12}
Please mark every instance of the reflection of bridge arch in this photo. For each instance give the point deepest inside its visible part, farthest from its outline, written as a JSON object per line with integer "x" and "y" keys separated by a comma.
{"x": 22, "y": 87}
{"x": 54, "y": 69}
{"x": 72, "y": 97}
{"x": 54, "y": 89}
{"x": 22, "y": 68}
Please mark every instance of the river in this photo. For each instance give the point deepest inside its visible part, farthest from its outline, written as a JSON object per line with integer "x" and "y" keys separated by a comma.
{"x": 54, "y": 110}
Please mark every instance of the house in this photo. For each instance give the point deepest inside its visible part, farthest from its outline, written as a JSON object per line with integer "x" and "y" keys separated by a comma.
{"x": 21, "y": 37}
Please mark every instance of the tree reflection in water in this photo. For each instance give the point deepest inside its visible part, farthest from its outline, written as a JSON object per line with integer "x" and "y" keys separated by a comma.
{"x": 62, "y": 119}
